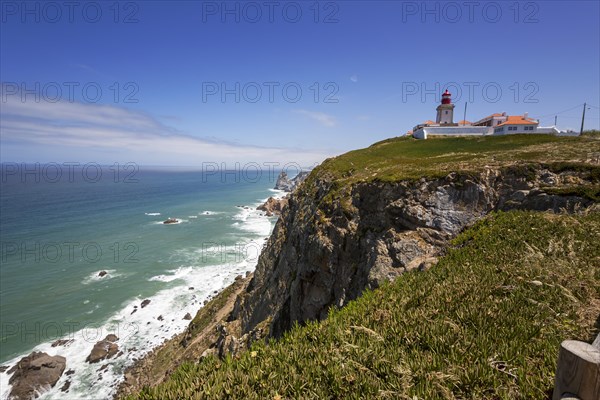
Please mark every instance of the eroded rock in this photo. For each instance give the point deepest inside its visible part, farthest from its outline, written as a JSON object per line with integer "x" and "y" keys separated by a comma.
{"x": 34, "y": 373}
{"x": 104, "y": 349}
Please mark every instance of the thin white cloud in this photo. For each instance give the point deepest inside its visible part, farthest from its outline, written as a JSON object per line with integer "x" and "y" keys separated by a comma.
{"x": 322, "y": 118}
{"x": 354, "y": 78}
{"x": 90, "y": 129}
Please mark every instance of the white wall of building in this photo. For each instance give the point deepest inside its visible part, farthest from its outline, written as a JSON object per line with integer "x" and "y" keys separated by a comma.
{"x": 511, "y": 129}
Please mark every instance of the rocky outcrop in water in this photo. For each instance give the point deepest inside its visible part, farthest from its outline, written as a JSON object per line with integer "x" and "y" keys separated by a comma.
{"x": 273, "y": 206}
{"x": 34, "y": 374}
{"x": 287, "y": 184}
{"x": 104, "y": 349}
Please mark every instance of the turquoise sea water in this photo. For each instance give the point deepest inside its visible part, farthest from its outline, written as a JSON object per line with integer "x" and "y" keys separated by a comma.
{"x": 57, "y": 235}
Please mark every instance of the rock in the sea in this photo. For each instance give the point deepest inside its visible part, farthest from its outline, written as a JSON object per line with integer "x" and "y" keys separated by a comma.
{"x": 283, "y": 182}
{"x": 104, "y": 349}
{"x": 102, "y": 273}
{"x": 160, "y": 318}
{"x": 273, "y": 206}
{"x": 287, "y": 184}
{"x": 145, "y": 303}
{"x": 34, "y": 373}
{"x": 170, "y": 221}
{"x": 62, "y": 342}
{"x": 3, "y": 368}
{"x": 187, "y": 316}
{"x": 66, "y": 386}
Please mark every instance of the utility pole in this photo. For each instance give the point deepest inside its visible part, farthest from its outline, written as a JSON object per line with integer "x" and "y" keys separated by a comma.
{"x": 583, "y": 118}
{"x": 556, "y": 116}
{"x": 465, "y": 114}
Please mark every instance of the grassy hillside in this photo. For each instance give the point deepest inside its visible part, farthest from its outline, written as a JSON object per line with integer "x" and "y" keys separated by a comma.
{"x": 485, "y": 322}
{"x": 407, "y": 158}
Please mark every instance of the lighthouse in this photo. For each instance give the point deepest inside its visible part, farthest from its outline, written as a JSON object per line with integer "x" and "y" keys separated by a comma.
{"x": 445, "y": 111}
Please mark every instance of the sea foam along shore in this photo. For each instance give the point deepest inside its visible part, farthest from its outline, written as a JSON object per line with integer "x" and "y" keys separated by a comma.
{"x": 142, "y": 330}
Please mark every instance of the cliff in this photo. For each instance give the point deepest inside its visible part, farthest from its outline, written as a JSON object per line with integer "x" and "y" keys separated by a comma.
{"x": 369, "y": 216}
{"x": 324, "y": 254}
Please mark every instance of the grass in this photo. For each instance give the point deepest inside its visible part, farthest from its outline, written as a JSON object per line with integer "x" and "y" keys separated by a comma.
{"x": 405, "y": 158}
{"x": 485, "y": 322}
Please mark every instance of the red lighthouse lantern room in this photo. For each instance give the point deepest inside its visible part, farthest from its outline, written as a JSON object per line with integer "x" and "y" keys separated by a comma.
{"x": 446, "y": 97}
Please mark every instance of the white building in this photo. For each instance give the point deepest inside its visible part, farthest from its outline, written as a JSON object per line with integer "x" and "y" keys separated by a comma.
{"x": 495, "y": 124}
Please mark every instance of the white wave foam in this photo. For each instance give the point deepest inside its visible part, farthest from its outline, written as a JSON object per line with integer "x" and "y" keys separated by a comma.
{"x": 139, "y": 332}
{"x": 252, "y": 220}
{"x": 152, "y": 213}
{"x": 139, "y": 329}
{"x": 278, "y": 194}
{"x": 206, "y": 212}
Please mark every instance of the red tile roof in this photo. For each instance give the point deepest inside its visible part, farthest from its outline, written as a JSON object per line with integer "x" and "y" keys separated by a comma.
{"x": 518, "y": 120}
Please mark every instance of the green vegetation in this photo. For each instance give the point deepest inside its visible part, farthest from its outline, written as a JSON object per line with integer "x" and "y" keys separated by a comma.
{"x": 406, "y": 158}
{"x": 485, "y": 322}
{"x": 591, "y": 132}
{"x": 591, "y": 192}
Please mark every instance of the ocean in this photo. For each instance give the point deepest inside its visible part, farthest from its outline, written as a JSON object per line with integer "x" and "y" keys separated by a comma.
{"x": 61, "y": 227}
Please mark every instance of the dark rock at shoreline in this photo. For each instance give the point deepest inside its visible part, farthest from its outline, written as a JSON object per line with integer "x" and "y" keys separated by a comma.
{"x": 34, "y": 372}
{"x": 188, "y": 316}
{"x": 160, "y": 318}
{"x": 104, "y": 349}
{"x": 70, "y": 372}
{"x": 66, "y": 386}
{"x": 145, "y": 303}
{"x": 102, "y": 273}
{"x": 4, "y": 368}
{"x": 62, "y": 342}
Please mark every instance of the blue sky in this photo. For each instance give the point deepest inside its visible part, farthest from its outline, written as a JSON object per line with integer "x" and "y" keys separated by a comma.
{"x": 181, "y": 83}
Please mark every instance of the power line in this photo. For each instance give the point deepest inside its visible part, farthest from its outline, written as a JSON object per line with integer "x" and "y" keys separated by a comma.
{"x": 560, "y": 112}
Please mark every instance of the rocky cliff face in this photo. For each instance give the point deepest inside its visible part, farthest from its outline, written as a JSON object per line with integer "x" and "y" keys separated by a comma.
{"x": 325, "y": 251}
{"x": 289, "y": 185}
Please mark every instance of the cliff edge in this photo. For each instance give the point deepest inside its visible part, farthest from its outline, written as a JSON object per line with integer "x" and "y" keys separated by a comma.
{"x": 367, "y": 217}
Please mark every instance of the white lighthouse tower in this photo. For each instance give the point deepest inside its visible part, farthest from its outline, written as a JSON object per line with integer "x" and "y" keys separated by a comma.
{"x": 445, "y": 111}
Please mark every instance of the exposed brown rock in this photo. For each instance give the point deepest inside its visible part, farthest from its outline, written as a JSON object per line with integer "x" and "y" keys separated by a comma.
{"x": 273, "y": 206}
{"x": 145, "y": 303}
{"x": 104, "y": 349}
{"x": 33, "y": 373}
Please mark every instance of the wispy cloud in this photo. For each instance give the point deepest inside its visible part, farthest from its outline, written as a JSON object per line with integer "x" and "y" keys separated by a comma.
{"x": 322, "y": 118}
{"x": 107, "y": 130}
